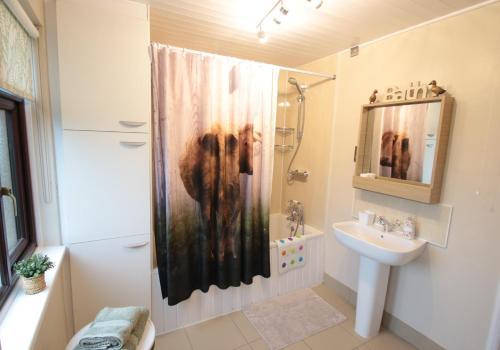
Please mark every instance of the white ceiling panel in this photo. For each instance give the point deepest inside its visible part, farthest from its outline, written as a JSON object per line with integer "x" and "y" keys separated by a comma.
{"x": 228, "y": 27}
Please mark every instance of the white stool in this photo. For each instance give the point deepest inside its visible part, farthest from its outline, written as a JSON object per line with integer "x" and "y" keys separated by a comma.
{"x": 147, "y": 340}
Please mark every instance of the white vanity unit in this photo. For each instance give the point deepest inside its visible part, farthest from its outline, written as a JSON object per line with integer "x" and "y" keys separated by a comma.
{"x": 104, "y": 169}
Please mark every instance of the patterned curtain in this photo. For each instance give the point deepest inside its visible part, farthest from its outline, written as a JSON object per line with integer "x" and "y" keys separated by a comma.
{"x": 16, "y": 55}
{"x": 214, "y": 122}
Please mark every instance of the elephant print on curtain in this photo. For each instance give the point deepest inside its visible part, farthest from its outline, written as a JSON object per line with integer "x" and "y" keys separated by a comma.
{"x": 214, "y": 122}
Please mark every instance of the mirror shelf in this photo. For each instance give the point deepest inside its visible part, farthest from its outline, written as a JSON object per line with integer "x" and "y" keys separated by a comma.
{"x": 404, "y": 144}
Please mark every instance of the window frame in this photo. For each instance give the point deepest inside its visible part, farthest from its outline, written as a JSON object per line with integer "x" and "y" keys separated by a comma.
{"x": 22, "y": 185}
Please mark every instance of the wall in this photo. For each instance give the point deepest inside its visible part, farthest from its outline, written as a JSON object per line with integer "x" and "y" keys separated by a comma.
{"x": 56, "y": 329}
{"x": 315, "y": 147}
{"x": 447, "y": 294}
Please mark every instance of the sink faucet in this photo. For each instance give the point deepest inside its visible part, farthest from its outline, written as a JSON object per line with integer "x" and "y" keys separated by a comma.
{"x": 386, "y": 224}
{"x": 380, "y": 220}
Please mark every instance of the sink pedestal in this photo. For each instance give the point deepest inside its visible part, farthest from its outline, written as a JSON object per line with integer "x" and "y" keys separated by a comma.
{"x": 372, "y": 288}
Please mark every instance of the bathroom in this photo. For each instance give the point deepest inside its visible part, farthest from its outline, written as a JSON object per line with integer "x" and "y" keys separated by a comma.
{"x": 112, "y": 112}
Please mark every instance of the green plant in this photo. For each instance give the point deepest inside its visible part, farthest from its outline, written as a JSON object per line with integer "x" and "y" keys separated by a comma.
{"x": 33, "y": 266}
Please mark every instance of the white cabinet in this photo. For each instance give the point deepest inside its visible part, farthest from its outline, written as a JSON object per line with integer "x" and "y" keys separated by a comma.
{"x": 104, "y": 68}
{"x": 106, "y": 191}
{"x": 112, "y": 272}
{"x": 105, "y": 104}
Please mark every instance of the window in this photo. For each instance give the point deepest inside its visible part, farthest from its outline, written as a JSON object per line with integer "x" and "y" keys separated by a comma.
{"x": 17, "y": 226}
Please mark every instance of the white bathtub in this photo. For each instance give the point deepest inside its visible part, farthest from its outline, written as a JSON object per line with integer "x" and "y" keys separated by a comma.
{"x": 216, "y": 302}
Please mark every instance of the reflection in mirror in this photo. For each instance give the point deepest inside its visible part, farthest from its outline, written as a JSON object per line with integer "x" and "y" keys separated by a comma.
{"x": 401, "y": 141}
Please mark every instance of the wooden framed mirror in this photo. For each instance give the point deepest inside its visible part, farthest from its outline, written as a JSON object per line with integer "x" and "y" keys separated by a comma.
{"x": 402, "y": 148}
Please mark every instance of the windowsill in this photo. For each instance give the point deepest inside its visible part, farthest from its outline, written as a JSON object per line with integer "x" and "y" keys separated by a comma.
{"x": 23, "y": 313}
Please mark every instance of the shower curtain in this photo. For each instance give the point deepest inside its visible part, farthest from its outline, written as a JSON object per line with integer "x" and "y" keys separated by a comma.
{"x": 213, "y": 137}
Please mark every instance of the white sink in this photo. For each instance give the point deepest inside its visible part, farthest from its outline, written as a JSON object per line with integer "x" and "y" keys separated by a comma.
{"x": 386, "y": 248}
{"x": 378, "y": 251}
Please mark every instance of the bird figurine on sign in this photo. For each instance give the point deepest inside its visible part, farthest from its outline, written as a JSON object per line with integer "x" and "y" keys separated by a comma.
{"x": 436, "y": 90}
{"x": 373, "y": 96}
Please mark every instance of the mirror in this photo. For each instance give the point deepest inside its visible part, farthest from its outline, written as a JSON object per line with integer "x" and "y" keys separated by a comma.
{"x": 402, "y": 140}
{"x": 403, "y": 144}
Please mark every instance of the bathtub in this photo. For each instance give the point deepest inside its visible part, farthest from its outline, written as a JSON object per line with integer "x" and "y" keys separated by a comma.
{"x": 216, "y": 302}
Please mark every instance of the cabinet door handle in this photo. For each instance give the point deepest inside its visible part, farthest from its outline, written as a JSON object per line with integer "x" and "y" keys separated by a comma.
{"x": 136, "y": 245}
{"x": 5, "y": 191}
{"x": 131, "y": 123}
{"x": 133, "y": 143}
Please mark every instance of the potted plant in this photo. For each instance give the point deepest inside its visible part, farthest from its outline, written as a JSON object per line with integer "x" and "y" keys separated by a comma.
{"x": 32, "y": 272}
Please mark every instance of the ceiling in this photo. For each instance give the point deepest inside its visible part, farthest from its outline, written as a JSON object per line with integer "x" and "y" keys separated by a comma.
{"x": 228, "y": 27}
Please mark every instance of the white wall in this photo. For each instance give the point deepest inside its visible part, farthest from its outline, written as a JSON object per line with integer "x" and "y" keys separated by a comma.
{"x": 447, "y": 294}
{"x": 313, "y": 153}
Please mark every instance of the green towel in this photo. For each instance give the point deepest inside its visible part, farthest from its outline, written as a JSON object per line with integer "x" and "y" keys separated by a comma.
{"x": 113, "y": 328}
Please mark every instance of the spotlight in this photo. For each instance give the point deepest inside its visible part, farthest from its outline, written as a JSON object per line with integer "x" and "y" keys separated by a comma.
{"x": 262, "y": 35}
{"x": 278, "y": 18}
{"x": 315, "y": 3}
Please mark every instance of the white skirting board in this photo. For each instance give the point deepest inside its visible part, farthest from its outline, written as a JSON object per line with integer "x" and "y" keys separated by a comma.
{"x": 216, "y": 302}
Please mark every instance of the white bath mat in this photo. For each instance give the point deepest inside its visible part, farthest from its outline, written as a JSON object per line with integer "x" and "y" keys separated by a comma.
{"x": 292, "y": 317}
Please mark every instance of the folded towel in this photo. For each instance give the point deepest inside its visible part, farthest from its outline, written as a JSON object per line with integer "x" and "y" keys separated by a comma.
{"x": 291, "y": 253}
{"x": 136, "y": 335}
{"x": 112, "y": 328}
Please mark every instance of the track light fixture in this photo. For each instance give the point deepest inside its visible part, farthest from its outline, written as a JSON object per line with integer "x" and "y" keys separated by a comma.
{"x": 279, "y": 12}
{"x": 280, "y": 15}
{"x": 262, "y": 35}
{"x": 315, "y": 3}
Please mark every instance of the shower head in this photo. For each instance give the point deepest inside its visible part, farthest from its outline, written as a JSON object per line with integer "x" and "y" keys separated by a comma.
{"x": 294, "y": 82}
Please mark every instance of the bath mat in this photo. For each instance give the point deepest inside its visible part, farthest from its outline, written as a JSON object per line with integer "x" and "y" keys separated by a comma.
{"x": 292, "y": 317}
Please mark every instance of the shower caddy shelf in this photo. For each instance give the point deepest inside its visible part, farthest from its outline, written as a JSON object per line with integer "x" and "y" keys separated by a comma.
{"x": 284, "y": 132}
{"x": 283, "y": 148}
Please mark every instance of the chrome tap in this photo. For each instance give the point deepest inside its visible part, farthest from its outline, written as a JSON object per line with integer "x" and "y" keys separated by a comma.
{"x": 295, "y": 211}
{"x": 381, "y": 221}
{"x": 386, "y": 224}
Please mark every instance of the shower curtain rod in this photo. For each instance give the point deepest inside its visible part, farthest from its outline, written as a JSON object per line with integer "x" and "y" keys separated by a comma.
{"x": 289, "y": 69}
{"x": 302, "y": 71}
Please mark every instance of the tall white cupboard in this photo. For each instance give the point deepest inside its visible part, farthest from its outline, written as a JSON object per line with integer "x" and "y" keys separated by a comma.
{"x": 105, "y": 176}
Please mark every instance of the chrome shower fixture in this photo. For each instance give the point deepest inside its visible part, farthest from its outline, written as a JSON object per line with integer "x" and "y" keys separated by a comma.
{"x": 300, "y": 88}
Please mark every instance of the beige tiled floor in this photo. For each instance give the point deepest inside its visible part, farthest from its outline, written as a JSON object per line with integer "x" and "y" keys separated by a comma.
{"x": 235, "y": 332}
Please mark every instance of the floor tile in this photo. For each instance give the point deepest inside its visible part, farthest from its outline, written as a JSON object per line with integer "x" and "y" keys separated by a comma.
{"x": 340, "y": 304}
{"x": 388, "y": 341}
{"x": 259, "y": 345}
{"x": 362, "y": 347}
{"x": 333, "y": 338}
{"x": 244, "y": 325}
{"x": 217, "y": 334}
{"x": 244, "y": 347}
{"x": 336, "y": 301}
{"x": 177, "y": 340}
{"x": 298, "y": 346}
{"x": 328, "y": 294}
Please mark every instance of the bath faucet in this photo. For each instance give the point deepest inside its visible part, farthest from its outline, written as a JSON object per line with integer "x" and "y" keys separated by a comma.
{"x": 295, "y": 211}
